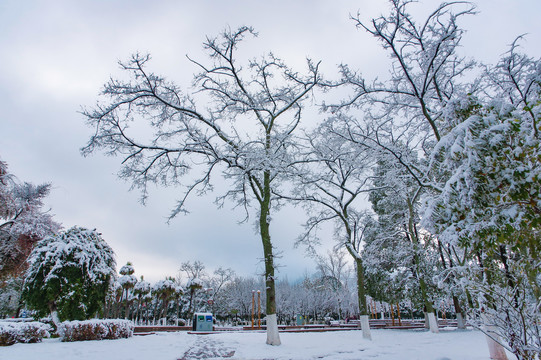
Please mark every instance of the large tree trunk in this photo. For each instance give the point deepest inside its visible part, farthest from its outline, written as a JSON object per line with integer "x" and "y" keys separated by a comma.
{"x": 361, "y": 294}
{"x": 273, "y": 337}
{"x": 429, "y": 314}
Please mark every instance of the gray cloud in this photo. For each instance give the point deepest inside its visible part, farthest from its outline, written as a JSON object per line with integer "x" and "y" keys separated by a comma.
{"x": 57, "y": 54}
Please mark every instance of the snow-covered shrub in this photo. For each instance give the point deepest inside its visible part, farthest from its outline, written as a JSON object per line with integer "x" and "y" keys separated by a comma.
{"x": 69, "y": 273}
{"x": 96, "y": 330}
{"x": 23, "y": 332}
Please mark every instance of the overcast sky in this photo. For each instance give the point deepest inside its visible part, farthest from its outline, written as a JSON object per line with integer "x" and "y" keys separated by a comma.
{"x": 56, "y": 55}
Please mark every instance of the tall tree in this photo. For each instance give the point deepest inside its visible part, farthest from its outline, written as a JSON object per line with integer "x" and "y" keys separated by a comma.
{"x": 245, "y": 130}
{"x": 334, "y": 177}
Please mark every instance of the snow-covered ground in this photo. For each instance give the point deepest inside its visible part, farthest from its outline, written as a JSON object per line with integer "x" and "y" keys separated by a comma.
{"x": 386, "y": 345}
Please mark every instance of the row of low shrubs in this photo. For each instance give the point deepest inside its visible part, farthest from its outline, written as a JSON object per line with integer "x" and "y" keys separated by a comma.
{"x": 23, "y": 332}
{"x": 32, "y": 332}
{"x": 96, "y": 330}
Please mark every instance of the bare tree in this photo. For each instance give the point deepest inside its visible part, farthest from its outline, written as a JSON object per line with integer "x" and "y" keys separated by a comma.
{"x": 332, "y": 185}
{"x": 245, "y": 130}
{"x": 218, "y": 282}
{"x": 426, "y": 68}
{"x": 195, "y": 270}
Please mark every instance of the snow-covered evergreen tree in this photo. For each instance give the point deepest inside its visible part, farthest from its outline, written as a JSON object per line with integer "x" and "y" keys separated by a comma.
{"x": 489, "y": 205}
{"x": 69, "y": 274}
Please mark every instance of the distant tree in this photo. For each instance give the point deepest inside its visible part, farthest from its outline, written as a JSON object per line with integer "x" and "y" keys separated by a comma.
{"x": 193, "y": 286}
{"x": 239, "y": 120}
{"x": 238, "y": 293}
{"x": 194, "y": 270}
{"x": 221, "y": 277}
{"x": 164, "y": 290}
{"x": 178, "y": 291}
{"x": 141, "y": 291}
{"x": 333, "y": 273}
{"x": 22, "y": 222}
{"x": 127, "y": 281}
{"x": 69, "y": 275}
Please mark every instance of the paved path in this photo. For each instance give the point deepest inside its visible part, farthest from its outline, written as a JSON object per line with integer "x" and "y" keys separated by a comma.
{"x": 207, "y": 347}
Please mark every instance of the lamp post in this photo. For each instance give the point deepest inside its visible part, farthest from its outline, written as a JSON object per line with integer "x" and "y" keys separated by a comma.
{"x": 253, "y": 305}
{"x": 258, "y": 309}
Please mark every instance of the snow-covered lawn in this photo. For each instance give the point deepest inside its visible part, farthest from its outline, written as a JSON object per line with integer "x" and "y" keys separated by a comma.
{"x": 386, "y": 345}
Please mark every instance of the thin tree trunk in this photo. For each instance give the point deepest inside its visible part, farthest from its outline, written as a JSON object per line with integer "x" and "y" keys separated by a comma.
{"x": 361, "y": 292}
{"x": 178, "y": 311}
{"x": 392, "y": 315}
{"x": 398, "y": 314}
{"x": 432, "y": 322}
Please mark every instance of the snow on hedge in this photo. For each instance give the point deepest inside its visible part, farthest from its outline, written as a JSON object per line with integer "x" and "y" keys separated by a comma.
{"x": 96, "y": 330}
{"x": 23, "y": 332}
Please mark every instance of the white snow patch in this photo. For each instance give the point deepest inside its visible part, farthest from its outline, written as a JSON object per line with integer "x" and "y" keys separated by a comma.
{"x": 344, "y": 345}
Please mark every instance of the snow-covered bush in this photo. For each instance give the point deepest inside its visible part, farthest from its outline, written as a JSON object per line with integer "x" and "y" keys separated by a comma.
{"x": 69, "y": 273}
{"x": 96, "y": 330}
{"x": 23, "y": 332}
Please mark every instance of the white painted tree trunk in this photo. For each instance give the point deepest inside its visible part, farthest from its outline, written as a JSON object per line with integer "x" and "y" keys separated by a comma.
{"x": 433, "y": 323}
{"x": 273, "y": 337}
{"x": 365, "y": 326}
{"x": 495, "y": 349}
{"x": 427, "y": 325}
{"x": 460, "y": 323}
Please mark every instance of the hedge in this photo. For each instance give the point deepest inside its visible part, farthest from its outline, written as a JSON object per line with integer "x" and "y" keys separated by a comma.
{"x": 96, "y": 330}
{"x": 23, "y": 332}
